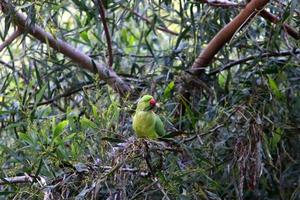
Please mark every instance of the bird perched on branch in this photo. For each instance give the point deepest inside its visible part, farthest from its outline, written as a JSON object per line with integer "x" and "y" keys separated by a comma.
{"x": 146, "y": 123}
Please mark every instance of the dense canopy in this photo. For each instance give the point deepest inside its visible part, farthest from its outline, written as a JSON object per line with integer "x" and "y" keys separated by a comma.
{"x": 226, "y": 74}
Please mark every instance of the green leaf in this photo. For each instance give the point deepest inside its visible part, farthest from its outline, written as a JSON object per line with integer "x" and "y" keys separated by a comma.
{"x": 276, "y": 138}
{"x": 8, "y": 20}
{"x": 75, "y": 149}
{"x": 59, "y": 128}
{"x": 58, "y": 141}
{"x": 39, "y": 167}
{"x": 126, "y": 37}
{"x": 61, "y": 153}
{"x": 182, "y": 35}
{"x": 69, "y": 137}
{"x": 169, "y": 88}
{"x": 26, "y": 138}
{"x": 39, "y": 95}
{"x": 6, "y": 193}
{"x": 222, "y": 79}
{"x": 84, "y": 35}
{"x": 82, "y": 6}
{"x": 16, "y": 125}
{"x": 86, "y": 123}
{"x": 274, "y": 88}
{"x": 95, "y": 112}
{"x": 12, "y": 153}
{"x": 5, "y": 84}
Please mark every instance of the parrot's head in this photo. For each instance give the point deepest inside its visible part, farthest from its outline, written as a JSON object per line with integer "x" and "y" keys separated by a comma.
{"x": 146, "y": 103}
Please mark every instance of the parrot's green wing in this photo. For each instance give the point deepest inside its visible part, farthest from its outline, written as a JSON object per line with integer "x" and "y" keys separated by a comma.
{"x": 159, "y": 126}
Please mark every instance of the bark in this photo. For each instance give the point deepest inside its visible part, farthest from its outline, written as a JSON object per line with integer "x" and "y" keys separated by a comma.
{"x": 265, "y": 14}
{"x": 274, "y": 19}
{"x": 10, "y": 39}
{"x": 78, "y": 57}
{"x": 106, "y": 31}
{"x": 225, "y": 34}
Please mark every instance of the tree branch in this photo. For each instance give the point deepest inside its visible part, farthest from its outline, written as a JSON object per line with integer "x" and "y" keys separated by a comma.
{"x": 106, "y": 31}
{"x": 17, "y": 179}
{"x": 84, "y": 61}
{"x": 274, "y": 19}
{"x": 66, "y": 94}
{"x": 10, "y": 39}
{"x": 265, "y": 14}
{"x": 225, "y": 34}
{"x": 12, "y": 69}
{"x": 243, "y": 60}
{"x": 22, "y": 179}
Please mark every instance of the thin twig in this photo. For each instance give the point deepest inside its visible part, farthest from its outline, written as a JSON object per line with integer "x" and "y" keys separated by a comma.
{"x": 148, "y": 21}
{"x": 11, "y": 38}
{"x": 143, "y": 190}
{"x": 243, "y": 60}
{"x": 66, "y": 94}
{"x": 107, "y": 169}
{"x": 16, "y": 179}
{"x": 283, "y": 4}
{"x": 161, "y": 189}
{"x": 13, "y": 69}
{"x": 106, "y": 31}
{"x": 203, "y": 134}
{"x": 22, "y": 179}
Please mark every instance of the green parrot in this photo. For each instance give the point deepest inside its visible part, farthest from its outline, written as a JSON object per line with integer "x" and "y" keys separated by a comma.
{"x": 146, "y": 123}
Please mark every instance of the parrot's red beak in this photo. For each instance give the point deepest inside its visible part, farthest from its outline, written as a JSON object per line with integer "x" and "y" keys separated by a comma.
{"x": 152, "y": 103}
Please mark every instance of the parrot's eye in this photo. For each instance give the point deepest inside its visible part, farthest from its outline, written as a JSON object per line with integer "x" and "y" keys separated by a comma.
{"x": 152, "y": 102}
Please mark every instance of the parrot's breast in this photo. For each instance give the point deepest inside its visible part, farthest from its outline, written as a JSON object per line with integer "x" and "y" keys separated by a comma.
{"x": 144, "y": 124}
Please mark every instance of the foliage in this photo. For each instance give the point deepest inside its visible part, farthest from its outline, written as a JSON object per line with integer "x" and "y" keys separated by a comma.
{"x": 59, "y": 123}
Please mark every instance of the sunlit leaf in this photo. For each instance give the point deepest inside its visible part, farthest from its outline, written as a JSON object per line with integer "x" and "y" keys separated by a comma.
{"x": 59, "y": 128}
{"x": 168, "y": 90}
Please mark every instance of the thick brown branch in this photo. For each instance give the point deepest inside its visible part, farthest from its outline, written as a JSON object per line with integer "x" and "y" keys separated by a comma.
{"x": 225, "y": 34}
{"x": 274, "y": 19}
{"x": 243, "y": 60}
{"x": 10, "y": 39}
{"x": 106, "y": 31}
{"x": 265, "y": 14}
{"x": 84, "y": 61}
